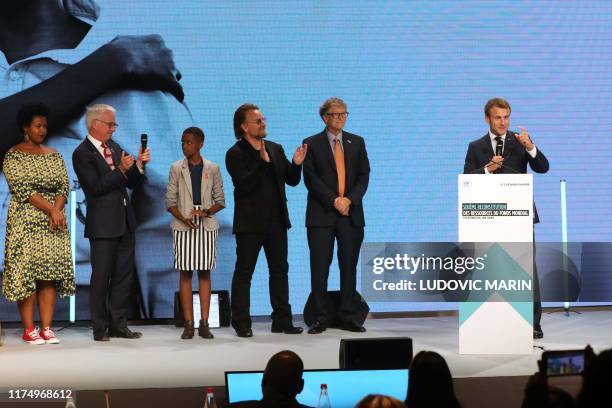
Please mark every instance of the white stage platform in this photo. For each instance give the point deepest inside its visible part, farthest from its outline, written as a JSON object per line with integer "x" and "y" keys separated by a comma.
{"x": 161, "y": 360}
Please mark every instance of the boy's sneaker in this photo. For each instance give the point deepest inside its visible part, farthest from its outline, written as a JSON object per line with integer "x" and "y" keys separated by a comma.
{"x": 31, "y": 336}
{"x": 48, "y": 336}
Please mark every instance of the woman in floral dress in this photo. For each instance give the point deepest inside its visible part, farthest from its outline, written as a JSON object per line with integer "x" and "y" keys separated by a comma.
{"x": 37, "y": 259}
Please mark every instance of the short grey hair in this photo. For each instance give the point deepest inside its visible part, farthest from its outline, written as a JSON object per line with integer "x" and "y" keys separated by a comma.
{"x": 327, "y": 105}
{"x": 95, "y": 111}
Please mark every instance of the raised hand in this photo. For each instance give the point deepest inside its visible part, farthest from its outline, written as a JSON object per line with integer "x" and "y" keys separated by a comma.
{"x": 300, "y": 154}
{"x": 127, "y": 161}
{"x": 143, "y": 157}
{"x": 524, "y": 139}
{"x": 263, "y": 153}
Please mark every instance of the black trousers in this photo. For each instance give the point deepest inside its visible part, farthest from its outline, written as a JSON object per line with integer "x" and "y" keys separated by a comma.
{"x": 321, "y": 244}
{"x": 112, "y": 277}
{"x": 537, "y": 302}
{"x": 248, "y": 246}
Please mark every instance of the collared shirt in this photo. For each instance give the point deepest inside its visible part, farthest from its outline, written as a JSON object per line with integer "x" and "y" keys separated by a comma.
{"x": 331, "y": 137}
{"x": 98, "y": 145}
{"x": 492, "y": 136}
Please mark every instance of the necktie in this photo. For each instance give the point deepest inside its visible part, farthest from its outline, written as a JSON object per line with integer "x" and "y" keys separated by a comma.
{"x": 340, "y": 169}
{"x": 108, "y": 156}
{"x": 499, "y": 150}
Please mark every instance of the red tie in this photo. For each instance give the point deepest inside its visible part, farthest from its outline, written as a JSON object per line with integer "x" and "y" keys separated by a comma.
{"x": 108, "y": 156}
{"x": 340, "y": 169}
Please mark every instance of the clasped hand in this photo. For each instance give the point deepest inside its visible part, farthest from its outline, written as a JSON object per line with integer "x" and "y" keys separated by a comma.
{"x": 342, "y": 204}
{"x": 57, "y": 219}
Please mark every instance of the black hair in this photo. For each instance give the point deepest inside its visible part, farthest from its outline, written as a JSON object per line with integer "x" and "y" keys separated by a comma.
{"x": 27, "y": 113}
{"x": 196, "y": 131}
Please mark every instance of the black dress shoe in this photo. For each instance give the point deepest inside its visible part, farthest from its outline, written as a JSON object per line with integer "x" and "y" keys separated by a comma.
{"x": 316, "y": 328}
{"x": 244, "y": 332}
{"x": 538, "y": 333}
{"x": 124, "y": 333}
{"x": 288, "y": 330}
{"x": 352, "y": 327}
{"x": 101, "y": 335}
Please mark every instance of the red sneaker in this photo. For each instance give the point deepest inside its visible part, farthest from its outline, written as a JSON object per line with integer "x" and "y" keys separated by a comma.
{"x": 48, "y": 336}
{"x": 31, "y": 336}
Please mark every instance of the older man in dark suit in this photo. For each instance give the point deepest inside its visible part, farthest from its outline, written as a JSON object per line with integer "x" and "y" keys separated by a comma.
{"x": 501, "y": 151}
{"x": 259, "y": 171}
{"x": 336, "y": 174}
{"x": 104, "y": 171}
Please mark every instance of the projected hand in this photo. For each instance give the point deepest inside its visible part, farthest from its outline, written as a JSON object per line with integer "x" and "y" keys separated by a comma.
{"x": 146, "y": 62}
{"x": 524, "y": 139}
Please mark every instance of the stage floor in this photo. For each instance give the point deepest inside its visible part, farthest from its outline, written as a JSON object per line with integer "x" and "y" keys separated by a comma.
{"x": 161, "y": 360}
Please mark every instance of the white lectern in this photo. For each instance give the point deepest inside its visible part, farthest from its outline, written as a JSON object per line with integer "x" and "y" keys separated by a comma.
{"x": 494, "y": 210}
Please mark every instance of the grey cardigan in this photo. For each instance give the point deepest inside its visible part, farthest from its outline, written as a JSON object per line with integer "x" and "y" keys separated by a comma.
{"x": 179, "y": 194}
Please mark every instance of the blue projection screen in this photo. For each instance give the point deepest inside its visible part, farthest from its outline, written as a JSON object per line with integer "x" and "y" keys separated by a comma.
{"x": 415, "y": 76}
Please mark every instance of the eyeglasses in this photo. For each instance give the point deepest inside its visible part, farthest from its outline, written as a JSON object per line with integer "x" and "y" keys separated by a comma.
{"x": 339, "y": 115}
{"x": 109, "y": 124}
{"x": 258, "y": 121}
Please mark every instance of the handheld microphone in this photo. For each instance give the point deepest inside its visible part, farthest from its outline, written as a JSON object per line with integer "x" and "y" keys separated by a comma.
{"x": 143, "y": 144}
{"x": 480, "y": 170}
{"x": 499, "y": 149}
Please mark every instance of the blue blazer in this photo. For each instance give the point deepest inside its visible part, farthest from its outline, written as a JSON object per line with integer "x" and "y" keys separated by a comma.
{"x": 480, "y": 152}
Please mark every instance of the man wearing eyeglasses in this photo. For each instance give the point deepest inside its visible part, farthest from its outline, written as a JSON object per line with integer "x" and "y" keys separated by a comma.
{"x": 336, "y": 174}
{"x": 259, "y": 172}
{"x": 105, "y": 171}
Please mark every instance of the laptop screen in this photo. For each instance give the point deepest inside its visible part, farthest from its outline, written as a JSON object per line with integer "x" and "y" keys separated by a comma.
{"x": 345, "y": 387}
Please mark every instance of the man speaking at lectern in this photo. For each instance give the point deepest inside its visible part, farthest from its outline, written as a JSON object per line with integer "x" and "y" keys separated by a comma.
{"x": 501, "y": 151}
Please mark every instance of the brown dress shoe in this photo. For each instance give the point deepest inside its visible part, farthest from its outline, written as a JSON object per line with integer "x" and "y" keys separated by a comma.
{"x": 204, "y": 330}
{"x": 188, "y": 331}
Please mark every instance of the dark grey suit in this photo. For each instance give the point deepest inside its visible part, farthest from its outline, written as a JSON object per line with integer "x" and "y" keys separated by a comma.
{"x": 326, "y": 225}
{"x": 110, "y": 225}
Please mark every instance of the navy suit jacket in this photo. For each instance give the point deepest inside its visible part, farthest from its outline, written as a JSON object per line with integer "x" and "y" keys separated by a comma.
{"x": 321, "y": 179}
{"x": 480, "y": 152}
{"x": 109, "y": 210}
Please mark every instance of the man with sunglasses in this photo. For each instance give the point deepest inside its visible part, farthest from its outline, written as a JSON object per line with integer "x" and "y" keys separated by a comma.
{"x": 336, "y": 174}
{"x": 259, "y": 171}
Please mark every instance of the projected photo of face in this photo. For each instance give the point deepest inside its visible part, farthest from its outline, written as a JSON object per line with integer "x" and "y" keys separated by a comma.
{"x": 69, "y": 54}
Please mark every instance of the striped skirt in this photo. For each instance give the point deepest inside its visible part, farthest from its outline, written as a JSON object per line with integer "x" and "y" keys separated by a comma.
{"x": 195, "y": 249}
